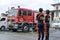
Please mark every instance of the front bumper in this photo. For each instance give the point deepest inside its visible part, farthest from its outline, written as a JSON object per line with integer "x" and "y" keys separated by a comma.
{"x": 11, "y": 27}
{"x": 15, "y": 26}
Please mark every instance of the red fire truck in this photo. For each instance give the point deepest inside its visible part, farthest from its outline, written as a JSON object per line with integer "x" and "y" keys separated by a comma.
{"x": 21, "y": 19}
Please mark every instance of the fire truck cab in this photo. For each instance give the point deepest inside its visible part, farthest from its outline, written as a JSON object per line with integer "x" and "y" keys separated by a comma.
{"x": 21, "y": 19}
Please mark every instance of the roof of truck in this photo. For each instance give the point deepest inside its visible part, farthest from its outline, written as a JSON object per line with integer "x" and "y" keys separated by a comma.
{"x": 21, "y": 8}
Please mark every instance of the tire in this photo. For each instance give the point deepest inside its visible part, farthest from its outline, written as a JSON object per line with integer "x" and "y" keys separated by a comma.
{"x": 34, "y": 28}
{"x": 2, "y": 28}
{"x": 25, "y": 28}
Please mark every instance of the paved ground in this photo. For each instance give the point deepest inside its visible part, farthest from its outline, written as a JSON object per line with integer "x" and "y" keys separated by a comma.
{"x": 54, "y": 35}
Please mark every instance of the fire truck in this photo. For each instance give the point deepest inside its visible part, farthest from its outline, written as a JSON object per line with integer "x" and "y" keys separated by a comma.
{"x": 21, "y": 19}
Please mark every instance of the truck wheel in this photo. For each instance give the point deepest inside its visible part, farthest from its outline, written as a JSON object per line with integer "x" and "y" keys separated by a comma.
{"x": 25, "y": 28}
{"x": 2, "y": 28}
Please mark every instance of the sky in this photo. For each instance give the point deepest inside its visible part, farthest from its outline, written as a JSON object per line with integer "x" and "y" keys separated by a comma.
{"x": 30, "y": 4}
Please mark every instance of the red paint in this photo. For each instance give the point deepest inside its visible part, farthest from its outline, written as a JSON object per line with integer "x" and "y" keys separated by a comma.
{"x": 26, "y": 18}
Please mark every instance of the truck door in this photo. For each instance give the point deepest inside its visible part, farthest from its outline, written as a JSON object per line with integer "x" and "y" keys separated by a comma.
{"x": 22, "y": 15}
{"x": 30, "y": 16}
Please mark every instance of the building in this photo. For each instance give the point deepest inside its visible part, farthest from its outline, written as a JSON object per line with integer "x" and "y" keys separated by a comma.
{"x": 56, "y": 11}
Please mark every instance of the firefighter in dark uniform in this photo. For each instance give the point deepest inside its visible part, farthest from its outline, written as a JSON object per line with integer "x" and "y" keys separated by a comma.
{"x": 47, "y": 18}
{"x": 40, "y": 18}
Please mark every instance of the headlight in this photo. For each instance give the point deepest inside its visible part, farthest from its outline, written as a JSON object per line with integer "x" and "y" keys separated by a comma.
{"x": 16, "y": 24}
{"x": 14, "y": 27}
{"x": 10, "y": 23}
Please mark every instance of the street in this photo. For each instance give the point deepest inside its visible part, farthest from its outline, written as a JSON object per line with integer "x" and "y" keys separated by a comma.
{"x": 8, "y": 35}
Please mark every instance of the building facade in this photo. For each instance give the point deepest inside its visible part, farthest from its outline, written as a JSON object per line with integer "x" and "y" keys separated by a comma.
{"x": 56, "y": 11}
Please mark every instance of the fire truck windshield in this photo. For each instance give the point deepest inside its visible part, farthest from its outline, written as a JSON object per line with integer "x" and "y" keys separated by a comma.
{"x": 12, "y": 12}
{"x": 22, "y": 12}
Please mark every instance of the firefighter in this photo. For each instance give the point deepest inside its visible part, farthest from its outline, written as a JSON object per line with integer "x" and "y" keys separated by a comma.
{"x": 47, "y": 18}
{"x": 40, "y": 19}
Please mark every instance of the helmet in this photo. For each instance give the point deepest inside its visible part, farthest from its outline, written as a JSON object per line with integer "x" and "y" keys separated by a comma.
{"x": 40, "y": 9}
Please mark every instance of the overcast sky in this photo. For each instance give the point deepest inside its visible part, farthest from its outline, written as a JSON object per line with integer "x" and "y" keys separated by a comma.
{"x": 31, "y": 4}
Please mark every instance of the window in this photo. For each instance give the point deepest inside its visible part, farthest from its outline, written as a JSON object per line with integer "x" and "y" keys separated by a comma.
{"x": 12, "y": 12}
{"x": 29, "y": 13}
{"x": 57, "y": 14}
{"x": 52, "y": 15}
{"x": 22, "y": 12}
{"x": 57, "y": 8}
{"x": 56, "y": 21}
{"x": 12, "y": 20}
{"x": 2, "y": 19}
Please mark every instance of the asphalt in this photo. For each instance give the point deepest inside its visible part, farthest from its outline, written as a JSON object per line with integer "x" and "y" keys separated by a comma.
{"x": 8, "y": 35}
